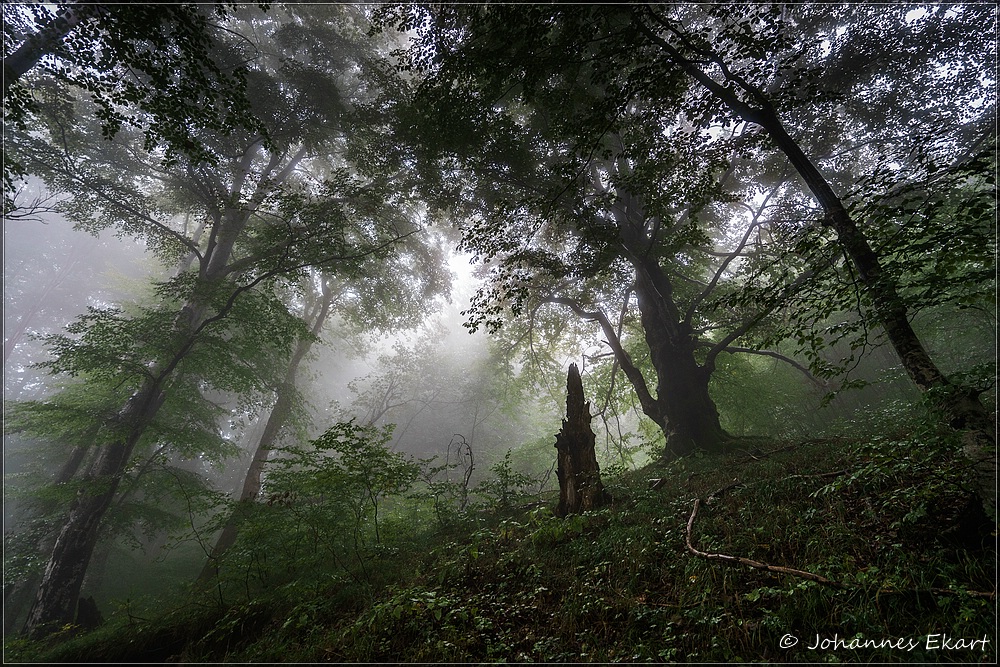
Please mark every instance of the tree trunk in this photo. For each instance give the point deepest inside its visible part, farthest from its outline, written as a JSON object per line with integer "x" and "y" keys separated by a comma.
{"x": 580, "y": 487}
{"x": 683, "y": 408}
{"x": 280, "y": 413}
{"x": 252, "y": 483}
{"x": 960, "y": 406}
{"x": 22, "y": 592}
{"x": 56, "y": 602}
{"x": 44, "y": 41}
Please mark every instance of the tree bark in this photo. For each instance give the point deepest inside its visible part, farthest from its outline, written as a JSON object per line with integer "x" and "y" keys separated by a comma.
{"x": 682, "y": 407}
{"x": 56, "y": 602}
{"x": 685, "y": 412}
{"x": 22, "y": 593}
{"x": 44, "y": 41}
{"x": 580, "y": 487}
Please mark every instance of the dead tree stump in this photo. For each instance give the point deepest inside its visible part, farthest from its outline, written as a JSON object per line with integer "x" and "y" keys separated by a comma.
{"x": 88, "y": 616}
{"x": 580, "y": 486}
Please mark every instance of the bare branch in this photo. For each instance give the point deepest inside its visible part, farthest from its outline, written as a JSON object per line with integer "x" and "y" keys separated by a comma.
{"x": 775, "y": 355}
{"x": 631, "y": 371}
{"x": 755, "y": 223}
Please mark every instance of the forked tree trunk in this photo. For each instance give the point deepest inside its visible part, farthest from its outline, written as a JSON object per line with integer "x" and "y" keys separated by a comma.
{"x": 580, "y": 487}
{"x": 682, "y": 407}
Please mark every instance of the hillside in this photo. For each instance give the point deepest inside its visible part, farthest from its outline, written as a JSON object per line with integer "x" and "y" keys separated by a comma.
{"x": 910, "y": 573}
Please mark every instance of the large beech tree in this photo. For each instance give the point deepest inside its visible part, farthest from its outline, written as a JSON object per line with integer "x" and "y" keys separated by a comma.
{"x": 864, "y": 91}
{"x": 586, "y": 199}
{"x": 733, "y": 61}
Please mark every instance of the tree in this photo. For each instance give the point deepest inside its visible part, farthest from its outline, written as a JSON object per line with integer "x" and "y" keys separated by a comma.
{"x": 157, "y": 59}
{"x": 413, "y": 271}
{"x": 586, "y": 196}
{"x": 264, "y": 224}
{"x": 756, "y": 94}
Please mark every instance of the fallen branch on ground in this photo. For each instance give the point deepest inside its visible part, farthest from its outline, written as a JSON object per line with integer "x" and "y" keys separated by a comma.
{"x": 802, "y": 574}
{"x": 751, "y": 563}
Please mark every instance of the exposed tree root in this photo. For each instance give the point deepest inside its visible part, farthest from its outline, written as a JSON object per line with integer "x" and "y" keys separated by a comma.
{"x": 802, "y": 574}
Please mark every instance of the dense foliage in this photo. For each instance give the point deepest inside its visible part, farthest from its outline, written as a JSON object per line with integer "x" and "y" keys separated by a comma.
{"x": 765, "y": 233}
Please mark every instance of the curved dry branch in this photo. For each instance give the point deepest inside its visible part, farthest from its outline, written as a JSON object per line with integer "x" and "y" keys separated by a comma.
{"x": 802, "y": 574}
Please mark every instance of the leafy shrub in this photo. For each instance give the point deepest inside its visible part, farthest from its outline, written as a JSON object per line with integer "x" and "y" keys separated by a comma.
{"x": 322, "y": 505}
{"x": 504, "y": 485}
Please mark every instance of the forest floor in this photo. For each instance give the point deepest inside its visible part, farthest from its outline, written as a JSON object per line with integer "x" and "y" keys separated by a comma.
{"x": 891, "y": 561}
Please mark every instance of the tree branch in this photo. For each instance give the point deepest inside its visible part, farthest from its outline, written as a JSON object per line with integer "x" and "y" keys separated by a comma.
{"x": 775, "y": 355}
{"x": 631, "y": 371}
{"x": 802, "y": 574}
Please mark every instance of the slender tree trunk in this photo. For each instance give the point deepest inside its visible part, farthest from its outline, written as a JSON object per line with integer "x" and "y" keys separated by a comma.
{"x": 252, "y": 482}
{"x": 276, "y": 421}
{"x": 56, "y": 602}
{"x": 580, "y": 487}
{"x": 960, "y": 406}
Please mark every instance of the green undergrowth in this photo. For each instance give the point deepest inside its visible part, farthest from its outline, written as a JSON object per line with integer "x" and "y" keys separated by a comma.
{"x": 888, "y": 519}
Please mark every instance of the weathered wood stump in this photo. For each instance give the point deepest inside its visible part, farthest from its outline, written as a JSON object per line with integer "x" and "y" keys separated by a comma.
{"x": 580, "y": 486}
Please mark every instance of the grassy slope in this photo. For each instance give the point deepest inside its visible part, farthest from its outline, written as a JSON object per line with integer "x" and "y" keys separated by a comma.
{"x": 619, "y": 585}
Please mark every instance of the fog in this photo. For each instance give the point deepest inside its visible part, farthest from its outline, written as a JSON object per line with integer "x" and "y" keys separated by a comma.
{"x": 337, "y": 262}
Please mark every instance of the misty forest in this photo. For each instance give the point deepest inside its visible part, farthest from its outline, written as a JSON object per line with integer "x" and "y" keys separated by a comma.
{"x": 499, "y": 333}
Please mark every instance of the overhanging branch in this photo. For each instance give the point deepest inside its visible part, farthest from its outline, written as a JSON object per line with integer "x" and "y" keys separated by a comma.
{"x": 775, "y": 355}
{"x": 631, "y": 371}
